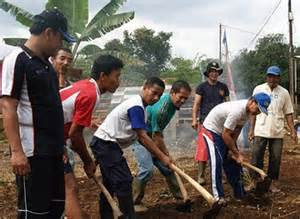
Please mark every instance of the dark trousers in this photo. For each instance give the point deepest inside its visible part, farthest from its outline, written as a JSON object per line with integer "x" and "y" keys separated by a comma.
{"x": 275, "y": 150}
{"x": 116, "y": 177}
{"x": 41, "y": 194}
{"x": 218, "y": 158}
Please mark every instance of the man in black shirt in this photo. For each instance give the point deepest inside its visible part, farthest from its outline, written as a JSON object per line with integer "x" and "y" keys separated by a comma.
{"x": 208, "y": 94}
{"x": 33, "y": 118}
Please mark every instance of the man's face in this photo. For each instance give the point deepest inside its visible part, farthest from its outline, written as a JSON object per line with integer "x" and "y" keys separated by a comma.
{"x": 253, "y": 108}
{"x": 62, "y": 61}
{"x": 180, "y": 97}
{"x": 110, "y": 82}
{"x": 213, "y": 74}
{"x": 152, "y": 94}
{"x": 53, "y": 41}
{"x": 273, "y": 80}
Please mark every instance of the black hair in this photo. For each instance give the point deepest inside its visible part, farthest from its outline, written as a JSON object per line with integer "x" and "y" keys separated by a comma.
{"x": 154, "y": 81}
{"x": 180, "y": 84}
{"x": 63, "y": 49}
{"x": 105, "y": 64}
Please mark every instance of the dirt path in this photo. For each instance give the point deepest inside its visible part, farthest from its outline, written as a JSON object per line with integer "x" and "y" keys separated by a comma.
{"x": 285, "y": 204}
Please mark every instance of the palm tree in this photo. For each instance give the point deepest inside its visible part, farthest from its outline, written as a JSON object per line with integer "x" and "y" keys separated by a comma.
{"x": 77, "y": 13}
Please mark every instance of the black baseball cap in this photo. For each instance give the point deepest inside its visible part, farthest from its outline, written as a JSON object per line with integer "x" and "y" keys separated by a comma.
{"x": 54, "y": 19}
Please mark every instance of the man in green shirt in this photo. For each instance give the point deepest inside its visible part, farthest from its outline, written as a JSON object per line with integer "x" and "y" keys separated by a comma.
{"x": 158, "y": 117}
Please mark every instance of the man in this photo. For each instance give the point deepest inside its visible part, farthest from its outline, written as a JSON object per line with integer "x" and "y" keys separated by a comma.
{"x": 79, "y": 102}
{"x": 207, "y": 96}
{"x": 33, "y": 118}
{"x": 122, "y": 126}
{"x": 269, "y": 129}
{"x": 62, "y": 62}
{"x": 158, "y": 117}
{"x": 219, "y": 133}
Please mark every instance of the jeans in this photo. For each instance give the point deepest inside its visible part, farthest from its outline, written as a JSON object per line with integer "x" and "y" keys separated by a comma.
{"x": 275, "y": 150}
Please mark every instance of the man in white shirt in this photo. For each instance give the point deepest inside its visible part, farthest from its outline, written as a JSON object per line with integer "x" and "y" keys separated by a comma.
{"x": 123, "y": 125}
{"x": 219, "y": 133}
{"x": 269, "y": 129}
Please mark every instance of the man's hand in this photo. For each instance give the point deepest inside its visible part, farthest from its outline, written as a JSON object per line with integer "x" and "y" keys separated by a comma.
{"x": 89, "y": 168}
{"x": 239, "y": 158}
{"x": 250, "y": 135}
{"x": 294, "y": 136}
{"x": 166, "y": 160}
{"x": 195, "y": 125}
{"x": 20, "y": 163}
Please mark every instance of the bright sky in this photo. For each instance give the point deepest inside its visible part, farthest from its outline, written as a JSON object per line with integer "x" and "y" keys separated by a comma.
{"x": 194, "y": 23}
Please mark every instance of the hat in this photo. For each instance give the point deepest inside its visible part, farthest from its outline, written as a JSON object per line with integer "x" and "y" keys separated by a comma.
{"x": 274, "y": 70}
{"x": 213, "y": 65}
{"x": 263, "y": 101}
{"x": 56, "y": 20}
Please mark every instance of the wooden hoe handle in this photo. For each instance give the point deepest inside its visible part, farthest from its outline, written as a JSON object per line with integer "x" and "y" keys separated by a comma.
{"x": 206, "y": 195}
{"x": 116, "y": 211}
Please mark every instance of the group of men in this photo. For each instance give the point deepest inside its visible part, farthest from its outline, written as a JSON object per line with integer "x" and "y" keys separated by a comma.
{"x": 44, "y": 126}
{"x": 220, "y": 123}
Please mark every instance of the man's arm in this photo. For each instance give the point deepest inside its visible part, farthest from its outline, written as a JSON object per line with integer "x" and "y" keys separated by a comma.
{"x": 19, "y": 160}
{"x": 159, "y": 141}
{"x": 252, "y": 121}
{"x": 148, "y": 143}
{"x": 229, "y": 138}
{"x": 195, "y": 110}
{"x": 290, "y": 122}
{"x": 79, "y": 146}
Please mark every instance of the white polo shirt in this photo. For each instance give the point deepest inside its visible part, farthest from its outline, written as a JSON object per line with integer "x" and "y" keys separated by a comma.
{"x": 226, "y": 115}
{"x": 272, "y": 125}
{"x": 121, "y": 123}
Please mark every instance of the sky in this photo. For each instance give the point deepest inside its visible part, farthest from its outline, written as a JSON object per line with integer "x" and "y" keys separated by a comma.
{"x": 194, "y": 23}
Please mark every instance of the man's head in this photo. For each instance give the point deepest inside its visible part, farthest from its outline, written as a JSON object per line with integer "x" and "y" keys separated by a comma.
{"x": 258, "y": 103}
{"x": 152, "y": 90}
{"x": 62, "y": 60}
{"x": 213, "y": 71}
{"x": 106, "y": 72}
{"x": 180, "y": 92}
{"x": 273, "y": 76}
{"x": 52, "y": 27}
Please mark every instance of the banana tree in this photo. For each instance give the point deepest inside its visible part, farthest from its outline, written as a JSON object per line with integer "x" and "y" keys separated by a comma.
{"x": 77, "y": 14}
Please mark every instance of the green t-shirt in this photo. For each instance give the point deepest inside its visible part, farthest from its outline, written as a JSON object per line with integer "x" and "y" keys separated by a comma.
{"x": 160, "y": 114}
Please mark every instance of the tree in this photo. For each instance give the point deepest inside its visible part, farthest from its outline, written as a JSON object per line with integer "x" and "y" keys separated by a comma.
{"x": 77, "y": 14}
{"x": 152, "y": 49}
{"x": 249, "y": 67}
{"x": 182, "y": 69}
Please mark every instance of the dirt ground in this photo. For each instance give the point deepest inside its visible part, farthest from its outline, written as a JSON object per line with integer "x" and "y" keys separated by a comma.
{"x": 285, "y": 204}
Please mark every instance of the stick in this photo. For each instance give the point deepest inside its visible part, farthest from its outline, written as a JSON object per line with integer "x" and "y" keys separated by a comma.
{"x": 116, "y": 211}
{"x": 206, "y": 195}
{"x": 256, "y": 169}
{"x": 182, "y": 188}
{"x": 262, "y": 174}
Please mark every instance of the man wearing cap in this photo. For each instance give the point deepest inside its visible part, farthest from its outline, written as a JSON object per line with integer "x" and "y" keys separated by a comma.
{"x": 33, "y": 118}
{"x": 219, "y": 133}
{"x": 269, "y": 129}
{"x": 208, "y": 94}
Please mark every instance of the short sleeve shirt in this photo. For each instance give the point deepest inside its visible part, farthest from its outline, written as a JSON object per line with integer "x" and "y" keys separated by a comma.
{"x": 121, "y": 124}
{"x": 228, "y": 115}
{"x": 33, "y": 82}
{"x": 79, "y": 101}
{"x": 212, "y": 95}
{"x": 272, "y": 125}
{"x": 160, "y": 114}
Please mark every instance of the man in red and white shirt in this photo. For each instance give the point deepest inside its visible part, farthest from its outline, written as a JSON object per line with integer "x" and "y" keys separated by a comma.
{"x": 79, "y": 102}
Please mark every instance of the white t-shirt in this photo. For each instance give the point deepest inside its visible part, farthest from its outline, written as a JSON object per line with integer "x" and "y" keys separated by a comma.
{"x": 229, "y": 115}
{"x": 121, "y": 123}
{"x": 272, "y": 125}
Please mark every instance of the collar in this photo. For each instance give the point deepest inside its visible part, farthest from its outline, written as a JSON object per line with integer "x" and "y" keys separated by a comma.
{"x": 32, "y": 55}
{"x": 97, "y": 88}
